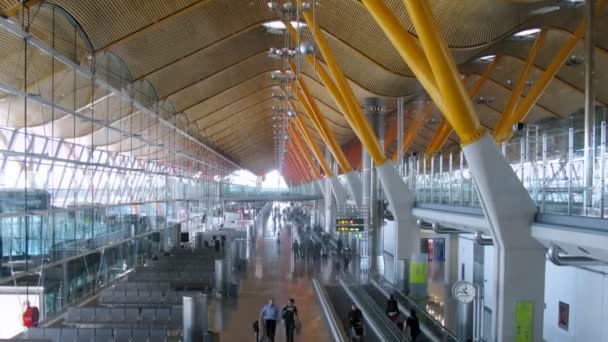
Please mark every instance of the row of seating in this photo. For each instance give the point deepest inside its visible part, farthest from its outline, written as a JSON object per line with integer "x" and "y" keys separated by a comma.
{"x": 130, "y": 298}
{"x": 102, "y": 316}
{"x": 173, "y": 277}
{"x": 140, "y": 285}
{"x": 95, "y": 335}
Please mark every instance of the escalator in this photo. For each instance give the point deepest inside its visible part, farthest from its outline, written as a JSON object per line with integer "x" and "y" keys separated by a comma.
{"x": 342, "y": 302}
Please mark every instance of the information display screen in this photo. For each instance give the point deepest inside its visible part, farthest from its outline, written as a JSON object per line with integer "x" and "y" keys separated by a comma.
{"x": 350, "y": 224}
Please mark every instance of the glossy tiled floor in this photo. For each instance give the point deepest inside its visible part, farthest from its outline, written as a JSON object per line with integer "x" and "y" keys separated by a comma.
{"x": 271, "y": 273}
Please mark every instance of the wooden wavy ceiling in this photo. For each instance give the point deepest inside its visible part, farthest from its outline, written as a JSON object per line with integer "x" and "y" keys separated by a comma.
{"x": 208, "y": 58}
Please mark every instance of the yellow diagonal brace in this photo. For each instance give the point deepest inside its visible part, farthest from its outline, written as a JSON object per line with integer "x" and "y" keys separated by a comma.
{"x": 407, "y": 46}
{"x": 414, "y": 128}
{"x": 521, "y": 83}
{"x": 314, "y": 112}
{"x": 419, "y": 119}
{"x": 444, "y": 130}
{"x": 303, "y": 169}
{"x": 543, "y": 81}
{"x": 303, "y": 152}
{"x": 359, "y": 123}
{"x": 459, "y": 109}
{"x": 327, "y": 81}
{"x": 297, "y": 169}
{"x": 311, "y": 144}
{"x": 18, "y": 8}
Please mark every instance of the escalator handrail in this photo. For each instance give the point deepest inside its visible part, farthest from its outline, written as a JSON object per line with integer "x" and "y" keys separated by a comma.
{"x": 386, "y": 332}
{"x": 335, "y": 329}
{"x": 428, "y": 331}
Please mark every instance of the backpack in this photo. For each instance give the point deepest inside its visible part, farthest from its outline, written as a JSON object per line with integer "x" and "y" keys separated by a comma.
{"x": 256, "y": 327}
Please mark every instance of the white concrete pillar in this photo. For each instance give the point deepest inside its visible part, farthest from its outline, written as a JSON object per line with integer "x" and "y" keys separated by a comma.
{"x": 520, "y": 260}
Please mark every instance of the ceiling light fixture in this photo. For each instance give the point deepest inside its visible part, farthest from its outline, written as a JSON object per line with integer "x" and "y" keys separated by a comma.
{"x": 527, "y": 33}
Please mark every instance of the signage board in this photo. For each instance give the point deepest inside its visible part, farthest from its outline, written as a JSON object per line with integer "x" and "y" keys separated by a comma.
{"x": 350, "y": 224}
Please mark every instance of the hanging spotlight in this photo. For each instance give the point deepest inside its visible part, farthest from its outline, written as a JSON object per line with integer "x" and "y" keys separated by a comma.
{"x": 306, "y": 48}
{"x": 291, "y": 113}
{"x": 272, "y": 5}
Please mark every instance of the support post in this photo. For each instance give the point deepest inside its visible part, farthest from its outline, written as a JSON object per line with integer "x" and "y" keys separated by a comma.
{"x": 589, "y": 134}
{"x": 506, "y": 204}
{"x": 194, "y": 317}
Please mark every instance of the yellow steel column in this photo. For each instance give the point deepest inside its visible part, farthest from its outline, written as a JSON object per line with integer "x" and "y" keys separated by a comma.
{"x": 299, "y": 169}
{"x": 541, "y": 84}
{"x": 361, "y": 125}
{"x": 417, "y": 122}
{"x": 459, "y": 109}
{"x": 521, "y": 83}
{"x": 407, "y": 46}
{"x": 314, "y": 112}
{"x": 443, "y": 130}
{"x": 442, "y": 136}
{"x": 307, "y": 171}
{"x": 303, "y": 152}
{"x": 311, "y": 144}
{"x": 327, "y": 81}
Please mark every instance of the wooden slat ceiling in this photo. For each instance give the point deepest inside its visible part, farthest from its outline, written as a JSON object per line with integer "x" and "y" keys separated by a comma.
{"x": 209, "y": 59}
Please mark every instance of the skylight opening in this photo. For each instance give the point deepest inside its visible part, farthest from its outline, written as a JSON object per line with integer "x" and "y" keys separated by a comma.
{"x": 278, "y": 25}
{"x": 527, "y": 33}
{"x": 487, "y": 58}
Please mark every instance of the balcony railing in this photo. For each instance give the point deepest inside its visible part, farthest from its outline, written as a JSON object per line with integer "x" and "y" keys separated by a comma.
{"x": 550, "y": 165}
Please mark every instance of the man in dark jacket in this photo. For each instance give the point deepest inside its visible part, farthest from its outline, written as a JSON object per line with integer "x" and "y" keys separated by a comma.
{"x": 290, "y": 317}
{"x": 392, "y": 308}
{"x": 355, "y": 319}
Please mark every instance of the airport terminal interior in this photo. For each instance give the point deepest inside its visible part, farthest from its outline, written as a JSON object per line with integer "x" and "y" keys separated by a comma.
{"x": 303, "y": 170}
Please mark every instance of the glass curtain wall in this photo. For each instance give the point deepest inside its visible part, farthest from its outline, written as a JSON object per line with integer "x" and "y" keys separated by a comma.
{"x": 95, "y": 169}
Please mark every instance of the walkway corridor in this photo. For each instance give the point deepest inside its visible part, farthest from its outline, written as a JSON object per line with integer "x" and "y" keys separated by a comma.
{"x": 270, "y": 273}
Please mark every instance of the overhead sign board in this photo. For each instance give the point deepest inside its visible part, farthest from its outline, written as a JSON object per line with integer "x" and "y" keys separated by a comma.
{"x": 350, "y": 224}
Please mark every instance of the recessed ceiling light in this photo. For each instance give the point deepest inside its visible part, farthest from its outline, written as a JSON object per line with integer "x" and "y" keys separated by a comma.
{"x": 487, "y": 58}
{"x": 278, "y": 25}
{"x": 527, "y": 33}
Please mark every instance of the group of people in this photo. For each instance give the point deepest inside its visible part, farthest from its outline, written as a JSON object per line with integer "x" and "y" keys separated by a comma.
{"x": 410, "y": 326}
{"x": 265, "y": 327}
{"x": 308, "y": 249}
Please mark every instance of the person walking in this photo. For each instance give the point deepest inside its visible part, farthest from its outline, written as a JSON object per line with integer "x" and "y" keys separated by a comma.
{"x": 295, "y": 246}
{"x": 413, "y": 326}
{"x": 269, "y": 316}
{"x": 339, "y": 246}
{"x": 290, "y": 319}
{"x": 392, "y": 309}
{"x": 355, "y": 320}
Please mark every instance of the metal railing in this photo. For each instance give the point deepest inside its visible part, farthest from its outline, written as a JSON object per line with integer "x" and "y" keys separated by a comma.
{"x": 235, "y": 191}
{"x": 379, "y": 322}
{"x": 335, "y": 328}
{"x": 550, "y": 165}
{"x": 430, "y": 327}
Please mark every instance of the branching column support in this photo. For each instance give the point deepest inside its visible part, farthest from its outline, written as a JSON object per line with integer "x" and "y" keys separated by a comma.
{"x": 444, "y": 130}
{"x": 422, "y": 114}
{"x": 336, "y": 186}
{"x": 543, "y": 81}
{"x": 518, "y": 90}
{"x": 314, "y": 112}
{"x": 399, "y": 197}
{"x": 506, "y": 203}
{"x": 300, "y": 151}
